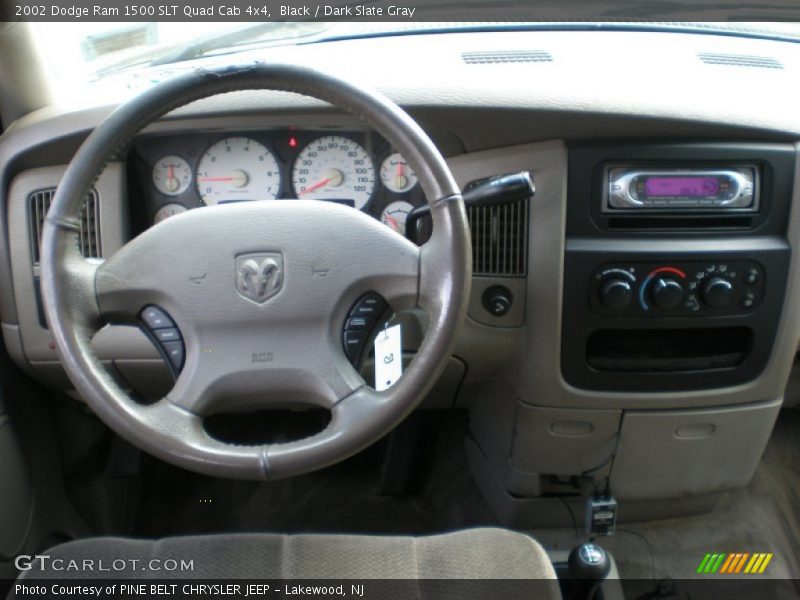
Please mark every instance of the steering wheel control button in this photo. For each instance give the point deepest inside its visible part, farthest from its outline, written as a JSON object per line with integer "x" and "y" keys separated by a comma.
{"x": 167, "y": 337}
{"x": 155, "y": 318}
{"x": 359, "y": 324}
{"x": 354, "y": 344}
{"x": 370, "y": 304}
{"x": 175, "y": 354}
{"x": 497, "y": 300}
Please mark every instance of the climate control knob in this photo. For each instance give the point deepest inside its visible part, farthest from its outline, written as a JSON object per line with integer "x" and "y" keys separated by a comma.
{"x": 666, "y": 292}
{"x": 717, "y": 292}
{"x": 616, "y": 293}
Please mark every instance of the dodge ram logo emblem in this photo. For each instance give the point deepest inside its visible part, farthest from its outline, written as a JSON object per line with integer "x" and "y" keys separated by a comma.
{"x": 259, "y": 276}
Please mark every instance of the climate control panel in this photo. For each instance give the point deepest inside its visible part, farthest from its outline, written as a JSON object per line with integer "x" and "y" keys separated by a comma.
{"x": 679, "y": 289}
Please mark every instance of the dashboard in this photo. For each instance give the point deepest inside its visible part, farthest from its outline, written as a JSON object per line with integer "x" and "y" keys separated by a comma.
{"x": 172, "y": 174}
{"x": 672, "y": 332}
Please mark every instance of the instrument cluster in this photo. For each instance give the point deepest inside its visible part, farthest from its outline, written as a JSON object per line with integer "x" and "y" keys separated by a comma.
{"x": 357, "y": 168}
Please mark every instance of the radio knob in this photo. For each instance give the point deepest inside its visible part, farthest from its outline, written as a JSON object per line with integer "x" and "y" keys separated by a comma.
{"x": 717, "y": 292}
{"x": 666, "y": 292}
{"x": 616, "y": 293}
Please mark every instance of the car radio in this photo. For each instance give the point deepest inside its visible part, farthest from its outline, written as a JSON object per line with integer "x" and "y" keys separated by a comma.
{"x": 636, "y": 188}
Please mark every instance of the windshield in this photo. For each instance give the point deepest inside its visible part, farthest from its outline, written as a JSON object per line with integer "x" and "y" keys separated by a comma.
{"x": 89, "y": 51}
{"x": 85, "y": 51}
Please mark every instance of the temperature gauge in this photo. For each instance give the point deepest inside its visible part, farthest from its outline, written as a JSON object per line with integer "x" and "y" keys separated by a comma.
{"x": 167, "y": 211}
{"x": 172, "y": 175}
{"x": 395, "y": 216}
{"x": 396, "y": 175}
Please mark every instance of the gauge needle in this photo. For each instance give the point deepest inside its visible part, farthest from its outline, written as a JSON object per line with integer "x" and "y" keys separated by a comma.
{"x": 392, "y": 222}
{"x": 400, "y": 179}
{"x": 237, "y": 178}
{"x": 316, "y": 186}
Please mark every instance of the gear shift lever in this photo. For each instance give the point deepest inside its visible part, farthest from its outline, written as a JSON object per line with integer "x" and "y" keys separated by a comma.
{"x": 589, "y": 565}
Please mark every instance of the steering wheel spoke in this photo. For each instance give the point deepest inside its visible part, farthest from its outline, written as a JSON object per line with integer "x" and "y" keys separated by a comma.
{"x": 261, "y": 366}
{"x": 76, "y": 279}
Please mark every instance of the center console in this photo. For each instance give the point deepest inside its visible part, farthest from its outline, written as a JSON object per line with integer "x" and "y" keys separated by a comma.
{"x": 676, "y": 263}
{"x": 657, "y": 339}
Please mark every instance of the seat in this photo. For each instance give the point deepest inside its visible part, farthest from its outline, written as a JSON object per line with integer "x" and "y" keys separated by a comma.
{"x": 483, "y": 553}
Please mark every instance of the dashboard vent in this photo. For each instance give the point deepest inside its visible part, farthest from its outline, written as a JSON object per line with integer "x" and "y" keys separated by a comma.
{"x": 499, "y": 239}
{"x": 506, "y": 56}
{"x": 740, "y": 60}
{"x": 39, "y": 203}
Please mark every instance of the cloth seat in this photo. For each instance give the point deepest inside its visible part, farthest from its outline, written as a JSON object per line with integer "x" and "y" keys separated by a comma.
{"x": 483, "y": 553}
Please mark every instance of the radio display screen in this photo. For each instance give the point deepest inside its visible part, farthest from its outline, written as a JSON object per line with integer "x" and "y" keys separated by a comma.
{"x": 685, "y": 187}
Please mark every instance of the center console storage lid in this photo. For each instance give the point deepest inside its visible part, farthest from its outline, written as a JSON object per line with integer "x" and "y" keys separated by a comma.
{"x": 672, "y": 454}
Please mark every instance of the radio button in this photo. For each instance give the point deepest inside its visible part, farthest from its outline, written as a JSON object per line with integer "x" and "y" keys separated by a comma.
{"x": 685, "y": 202}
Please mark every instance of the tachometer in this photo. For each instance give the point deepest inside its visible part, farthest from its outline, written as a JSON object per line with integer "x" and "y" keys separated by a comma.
{"x": 334, "y": 168}
{"x": 236, "y": 169}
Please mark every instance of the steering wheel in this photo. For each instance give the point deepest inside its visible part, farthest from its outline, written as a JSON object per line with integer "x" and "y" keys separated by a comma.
{"x": 268, "y": 337}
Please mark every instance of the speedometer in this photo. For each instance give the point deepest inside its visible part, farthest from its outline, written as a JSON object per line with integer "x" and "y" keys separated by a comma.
{"x": 334, "y": 168}
{"x": 236, "y": 169}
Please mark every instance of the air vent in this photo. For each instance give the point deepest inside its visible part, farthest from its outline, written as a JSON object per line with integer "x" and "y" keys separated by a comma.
{"x": 506, "y": 56}
{"x": 740, "y": 60}
{"x": 499, "y": 239}
{"x": 89, "y": 240}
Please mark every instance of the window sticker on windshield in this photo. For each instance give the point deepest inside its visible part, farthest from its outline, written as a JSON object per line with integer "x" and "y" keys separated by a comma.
{"x": 388, "y": 357}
